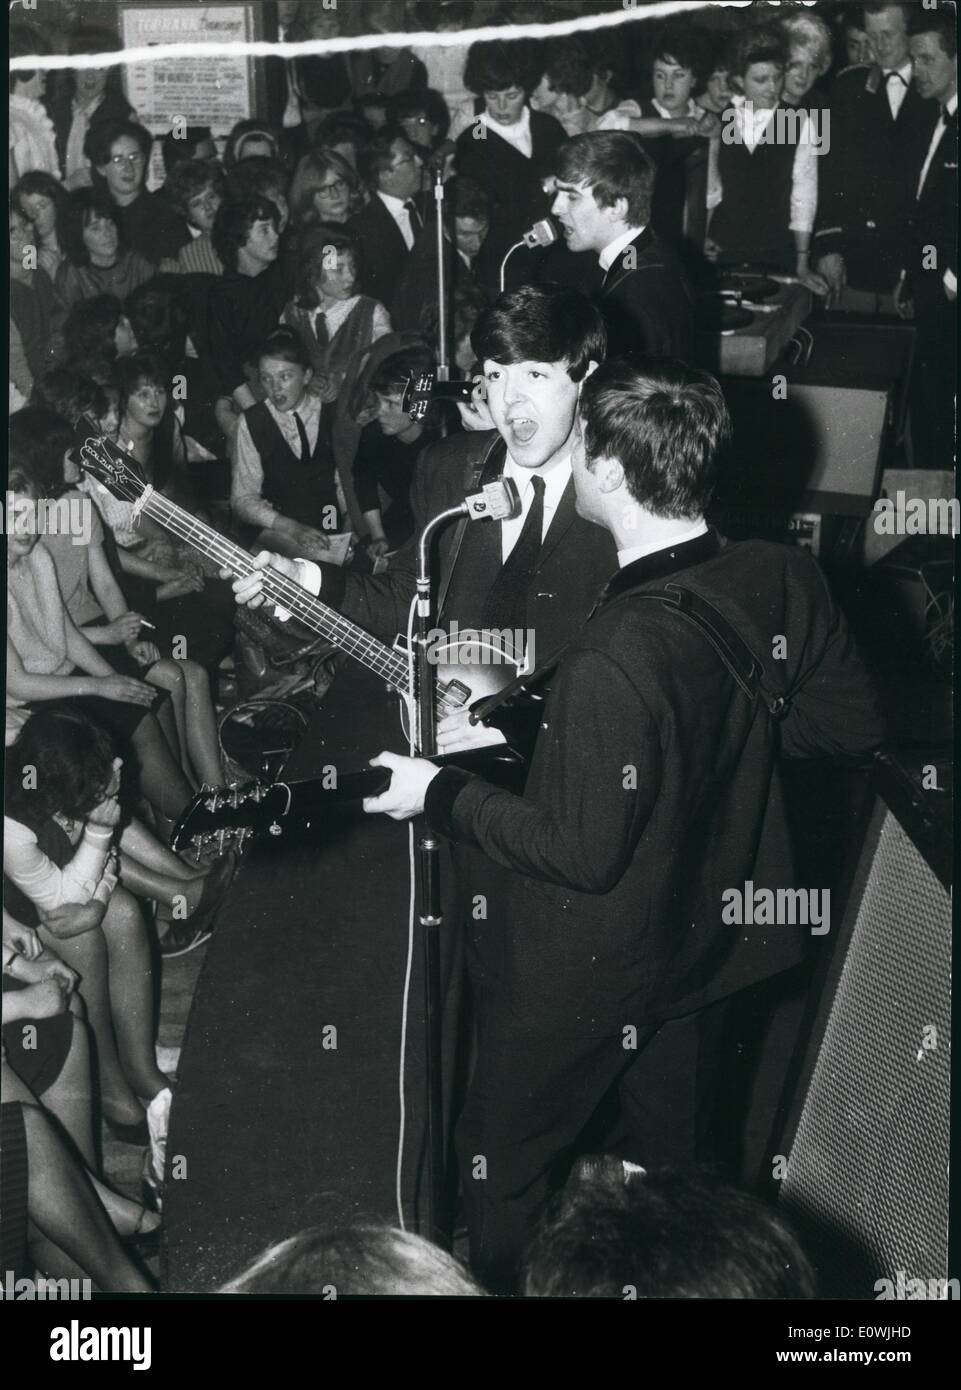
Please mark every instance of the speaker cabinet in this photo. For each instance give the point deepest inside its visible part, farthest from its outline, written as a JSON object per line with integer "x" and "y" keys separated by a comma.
{"x": 866, "y": 1179}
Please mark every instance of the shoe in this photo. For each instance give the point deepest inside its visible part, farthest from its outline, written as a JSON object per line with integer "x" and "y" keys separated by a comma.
{"x": 146, "y": 1244}
{"x": 137, "y": 1134}
{"x": 182, "y": 938}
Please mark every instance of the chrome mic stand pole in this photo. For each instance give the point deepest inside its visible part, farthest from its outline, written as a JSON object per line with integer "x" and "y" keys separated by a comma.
{"x": 429, "y": 913}
{"x": 443, "y": 362}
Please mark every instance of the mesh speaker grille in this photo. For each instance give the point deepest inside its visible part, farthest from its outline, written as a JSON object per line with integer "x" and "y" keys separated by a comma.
{"x": 867, "y": 1176}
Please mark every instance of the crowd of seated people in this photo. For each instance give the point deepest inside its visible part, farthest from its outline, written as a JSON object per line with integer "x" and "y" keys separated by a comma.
{"x": 241, "y": 318}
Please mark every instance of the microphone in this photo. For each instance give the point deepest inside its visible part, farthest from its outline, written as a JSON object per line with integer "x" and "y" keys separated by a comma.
{"x": 541, "y": 234}
{"x": 496, "y": 501}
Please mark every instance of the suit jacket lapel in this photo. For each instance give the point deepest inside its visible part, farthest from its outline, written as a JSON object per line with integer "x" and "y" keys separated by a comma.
{"x": 617, "y": 272}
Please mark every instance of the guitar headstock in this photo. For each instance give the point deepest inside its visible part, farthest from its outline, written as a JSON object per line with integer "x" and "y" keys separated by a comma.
{"x": 418, "y": 395}
{"x": 108, "y": 465}
{"x": 224, "y": 818}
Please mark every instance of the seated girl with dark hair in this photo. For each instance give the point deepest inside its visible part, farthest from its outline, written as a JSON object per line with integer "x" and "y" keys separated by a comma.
{"x": 97, "y": 261}
{"x": 162, "y": 576}
{"x": 61, "y": 819}
{"x": 283, "y": 467}
{"x": 41, "y": 445}
{"x": 41, "y": 198}
{"x": 96, "y": 332}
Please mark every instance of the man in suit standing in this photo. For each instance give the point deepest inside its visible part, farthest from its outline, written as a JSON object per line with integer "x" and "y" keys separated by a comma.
{"x": 930, "y": 274}
{"x": 541, "y": 571}
{"x": 880, "y": 129}
{"x": 388, "y": 226}
{"x": 604, "y": 187}
{"x": 652, "y": 804}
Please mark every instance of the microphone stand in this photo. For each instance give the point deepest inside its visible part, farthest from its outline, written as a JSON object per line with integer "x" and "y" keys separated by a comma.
{"x": 443, "y": 364}
{"x": 429, "y": 913}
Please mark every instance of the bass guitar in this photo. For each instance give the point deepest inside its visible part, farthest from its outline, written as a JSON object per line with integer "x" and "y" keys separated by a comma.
{"x": 469, "y": 667}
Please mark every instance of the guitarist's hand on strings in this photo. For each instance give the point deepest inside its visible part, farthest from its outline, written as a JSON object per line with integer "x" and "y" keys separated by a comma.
{"x": 249, "y": 588}
{"x": 410, "y": 778}
{"x": 456, "y": 734}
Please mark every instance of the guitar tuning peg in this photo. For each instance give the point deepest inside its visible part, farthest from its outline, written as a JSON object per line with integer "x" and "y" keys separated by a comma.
{"x": 274, "y": 828}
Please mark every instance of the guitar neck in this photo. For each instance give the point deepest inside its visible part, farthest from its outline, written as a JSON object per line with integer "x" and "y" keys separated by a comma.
{"x": 326, "y": 622}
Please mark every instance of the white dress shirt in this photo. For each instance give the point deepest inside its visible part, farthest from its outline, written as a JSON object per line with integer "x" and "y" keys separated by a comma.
{"x": 554, "y": 484}
{"x": 310, "y": 575}
{"x": 637, "y": 552}
{"x": 759, "y": 125}
{"x": 614, "y": 248}
{"x": 247, "y": 473}
{"x": 950, "y": 279}
{"x": 897, "y": 91}
{"x": 518, "y": 134}
{"x": 401, "y": 215}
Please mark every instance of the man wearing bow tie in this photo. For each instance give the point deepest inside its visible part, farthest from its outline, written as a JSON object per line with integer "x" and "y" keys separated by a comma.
{"x": 603, "y": 192}
{"x": 880, "y": 130}
{"x": 930, "y": 274}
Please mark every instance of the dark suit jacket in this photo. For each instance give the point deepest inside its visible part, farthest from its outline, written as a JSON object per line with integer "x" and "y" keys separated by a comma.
{"x": 415, "y": 299}
{"x": 576, "y": 559}
{"x": 512, "y": 183}
{"x": 935, "y": 221}
{"x": 653, "y": 789}
{"x": 384, "y": 250}
{"x": 868, "y": 178}
{"x": 649, "y": 308}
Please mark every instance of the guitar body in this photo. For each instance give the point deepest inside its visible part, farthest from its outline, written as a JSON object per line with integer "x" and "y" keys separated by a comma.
{"x": 470, "y": 666}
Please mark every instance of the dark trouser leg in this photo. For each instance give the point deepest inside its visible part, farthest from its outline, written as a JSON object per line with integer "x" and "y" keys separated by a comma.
{"x": 532, "y": 1092}
{"x": 669, "y": 1094}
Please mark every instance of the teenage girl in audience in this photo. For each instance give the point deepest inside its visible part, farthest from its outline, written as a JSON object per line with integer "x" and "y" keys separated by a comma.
{"x": 41, "y": 444}
{"x": 97, "y": 262}
{"x": 95, "y": 334}
{"x": 324, "y": 189}
{"x": 41, "y": 198}
{"x": 195, "y": 187}
{"x": 61, "y": 821}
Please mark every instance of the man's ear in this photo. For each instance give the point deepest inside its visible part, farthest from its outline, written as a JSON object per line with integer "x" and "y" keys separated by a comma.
{"x": 609, "y": 474}
{"x": 621, "y": 206}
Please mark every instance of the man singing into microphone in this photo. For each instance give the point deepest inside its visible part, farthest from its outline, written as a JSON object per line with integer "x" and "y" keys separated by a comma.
{"x": 653, "y": 792}
{"x": 540, "y": 572}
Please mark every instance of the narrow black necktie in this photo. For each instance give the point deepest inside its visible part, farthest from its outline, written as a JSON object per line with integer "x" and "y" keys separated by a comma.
{"x": 304, "y": 441}
{"x": 416, "y": 221}
{"x": 507, "y": 601}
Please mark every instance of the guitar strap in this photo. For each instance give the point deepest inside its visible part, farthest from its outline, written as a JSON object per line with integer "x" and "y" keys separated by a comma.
{"x": 746, "y": 670}
{"x": 479, "y": 456}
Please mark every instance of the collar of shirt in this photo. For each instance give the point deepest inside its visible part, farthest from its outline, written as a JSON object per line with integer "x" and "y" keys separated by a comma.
{"x": 518, "y": 134}
{"x": 614, "y": 248}
{"x": 662, "y": 111}
{"x": 309, "y": 412}
{"x": 554, "y": 484}
{"x": 752, "y": 121}
{"x": 335, "y": 312}
{"x": 400, "y": 212}
{"x": 638, "y": 552}
{"x": 897, "y": 91}
{"x": 951, "y": 106}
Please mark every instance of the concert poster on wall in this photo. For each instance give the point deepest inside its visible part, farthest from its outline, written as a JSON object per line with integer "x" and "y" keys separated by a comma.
{"x": 215, "y": 92}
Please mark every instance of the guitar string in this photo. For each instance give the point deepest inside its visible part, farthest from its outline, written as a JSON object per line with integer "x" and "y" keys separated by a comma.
{"x": 333, "y": 626}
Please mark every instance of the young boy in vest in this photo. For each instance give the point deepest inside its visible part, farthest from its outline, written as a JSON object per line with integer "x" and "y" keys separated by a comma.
{"x": 284, "y": 481}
